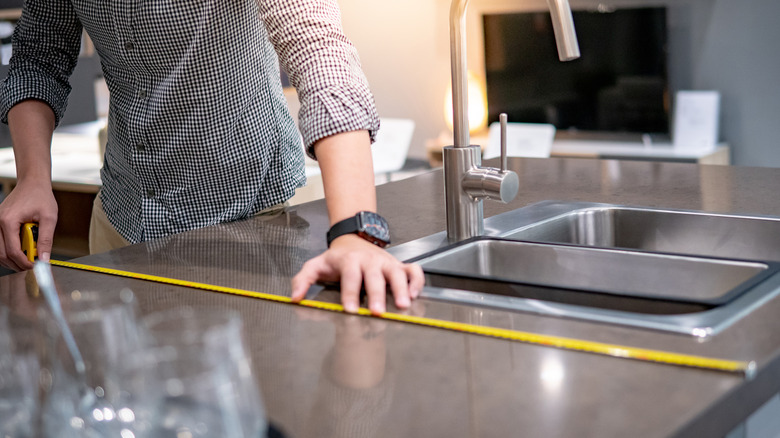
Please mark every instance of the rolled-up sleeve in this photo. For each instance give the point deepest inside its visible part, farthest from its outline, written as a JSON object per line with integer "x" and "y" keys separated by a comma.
{"x": 323, "y": 66}
{"x": 46, "y": 44}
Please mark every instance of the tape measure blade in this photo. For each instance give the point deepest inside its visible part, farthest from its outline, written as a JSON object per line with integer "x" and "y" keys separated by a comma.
{"x": 612, "y": 350}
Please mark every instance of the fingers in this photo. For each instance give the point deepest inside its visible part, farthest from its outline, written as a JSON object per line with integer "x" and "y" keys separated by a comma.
{"x": 31, "y": 202}
{"x": 13, "y": 244}
{"x": 351, "y": 280}
{"x": 416, "y": 279}
{"x": 399, "y": 285}
{"x": 13, "y": 257}
{"x": 374, "y": 280}
{"x": 5, "y": 260}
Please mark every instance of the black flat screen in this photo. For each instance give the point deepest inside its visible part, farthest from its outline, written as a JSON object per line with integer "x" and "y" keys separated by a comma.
{"x": 619, "y": 84}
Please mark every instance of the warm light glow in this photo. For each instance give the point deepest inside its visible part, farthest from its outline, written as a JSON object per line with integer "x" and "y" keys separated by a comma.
{"x": 477, "y": 104}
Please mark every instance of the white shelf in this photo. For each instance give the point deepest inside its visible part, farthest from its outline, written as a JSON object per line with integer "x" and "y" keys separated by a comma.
{"x": 636, "y": 150}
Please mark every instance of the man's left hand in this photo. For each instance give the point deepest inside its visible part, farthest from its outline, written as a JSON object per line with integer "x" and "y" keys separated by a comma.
{"x": 354, "y": 262}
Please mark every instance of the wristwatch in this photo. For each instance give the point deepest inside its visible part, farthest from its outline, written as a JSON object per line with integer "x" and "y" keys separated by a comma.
{"x": 365, "y": 224}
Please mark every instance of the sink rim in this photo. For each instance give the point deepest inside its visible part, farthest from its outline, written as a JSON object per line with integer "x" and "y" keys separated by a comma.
{"x": 701, "y": 324}
{"x": 521, "y": 218}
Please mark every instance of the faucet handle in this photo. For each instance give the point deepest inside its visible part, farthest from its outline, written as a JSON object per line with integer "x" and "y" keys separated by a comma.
{"x": 507, "y": 181}
{"x": 502, "y": 120}
{"x": 508, "y": 186}
{"x": 490, "y": 183}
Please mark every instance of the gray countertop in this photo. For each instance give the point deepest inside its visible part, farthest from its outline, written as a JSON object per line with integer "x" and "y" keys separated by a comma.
{"x": 327, "y": 374}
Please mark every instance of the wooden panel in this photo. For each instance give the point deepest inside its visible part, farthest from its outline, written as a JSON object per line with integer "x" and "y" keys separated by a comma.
{"x": 71, "y": 237}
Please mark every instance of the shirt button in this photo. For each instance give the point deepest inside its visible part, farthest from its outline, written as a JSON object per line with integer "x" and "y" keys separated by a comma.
{"x": 140, "y": 147}
{"x": 150, "y": 193}
{"x": 142, "y": 94}
{"x": 129, "y": 46}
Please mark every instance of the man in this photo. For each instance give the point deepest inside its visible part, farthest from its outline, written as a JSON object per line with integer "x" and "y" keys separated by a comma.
{"x": 198, "y": 129}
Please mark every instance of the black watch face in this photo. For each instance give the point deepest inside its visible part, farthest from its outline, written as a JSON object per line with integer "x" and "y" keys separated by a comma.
{"x": 374, "y": 226}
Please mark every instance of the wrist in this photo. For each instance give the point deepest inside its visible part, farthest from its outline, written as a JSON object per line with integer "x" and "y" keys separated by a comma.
{"x": 347, "y": 239}
{"x": 35, "y": 180}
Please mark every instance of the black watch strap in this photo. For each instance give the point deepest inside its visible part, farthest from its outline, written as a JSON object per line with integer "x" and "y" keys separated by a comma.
{"x": 365, "y": 224}
{"x": 347, "y": 226}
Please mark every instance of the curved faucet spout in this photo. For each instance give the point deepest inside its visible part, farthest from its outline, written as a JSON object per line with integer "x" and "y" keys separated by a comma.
{"x": 563, "y": 26}
{"x": 458, "y": 62}
{"x": 565, "y": 38}
{"x": 466, "y": 183}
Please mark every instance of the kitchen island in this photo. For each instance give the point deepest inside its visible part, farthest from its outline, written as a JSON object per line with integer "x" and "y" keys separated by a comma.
{"x": 328, "y": 374}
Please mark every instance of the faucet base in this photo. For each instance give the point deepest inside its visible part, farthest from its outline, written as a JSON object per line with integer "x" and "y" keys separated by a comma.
{"x": 463, "y": 212}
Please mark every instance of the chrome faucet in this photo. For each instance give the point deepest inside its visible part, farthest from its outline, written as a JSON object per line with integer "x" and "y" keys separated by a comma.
{"x": 466, "y": 183}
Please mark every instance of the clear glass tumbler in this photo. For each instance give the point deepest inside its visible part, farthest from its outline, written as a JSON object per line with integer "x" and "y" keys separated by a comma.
{"x": 95, "y": 402}
{"x": 207, "y": 389}
{"x": 18, "y": 384}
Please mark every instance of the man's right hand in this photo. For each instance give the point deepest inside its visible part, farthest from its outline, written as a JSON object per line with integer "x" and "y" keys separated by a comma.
{"x": 31, "y": 123}
{"x": 26, "y": 203}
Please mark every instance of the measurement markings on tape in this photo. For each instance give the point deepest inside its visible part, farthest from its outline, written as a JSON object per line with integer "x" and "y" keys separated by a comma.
{"x": 745, "y": 368}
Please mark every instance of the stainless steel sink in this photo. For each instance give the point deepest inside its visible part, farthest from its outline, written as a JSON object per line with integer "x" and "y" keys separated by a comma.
{"x": 633, "y": 274}
{"x": 673, "y": 270}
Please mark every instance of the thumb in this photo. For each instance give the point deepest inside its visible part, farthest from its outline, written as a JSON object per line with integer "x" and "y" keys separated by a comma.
{"x": 302, "y": 281}
{"x": 45, "y": 238}
{"x": 313, "y": 270}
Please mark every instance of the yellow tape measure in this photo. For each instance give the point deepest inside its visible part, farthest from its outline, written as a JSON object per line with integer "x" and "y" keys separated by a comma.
{"x": 745, "y": 368}
{"x": 29, "y": 239}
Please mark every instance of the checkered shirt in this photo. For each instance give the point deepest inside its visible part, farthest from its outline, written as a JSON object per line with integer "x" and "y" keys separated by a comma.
{"x": 198, "y": 127}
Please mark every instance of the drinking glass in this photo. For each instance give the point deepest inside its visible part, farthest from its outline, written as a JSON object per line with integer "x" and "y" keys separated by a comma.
{"x": 207, "y": 385}
{"x": 93, "y": 402}
{"x": 18, "y": 384}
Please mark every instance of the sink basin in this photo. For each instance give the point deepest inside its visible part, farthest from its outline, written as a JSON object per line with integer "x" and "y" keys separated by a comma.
{"x": 648, "y": 229}
{"x": 596, "y": 271}
{"x": 673, "y": 270}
